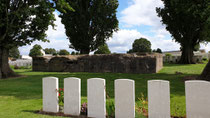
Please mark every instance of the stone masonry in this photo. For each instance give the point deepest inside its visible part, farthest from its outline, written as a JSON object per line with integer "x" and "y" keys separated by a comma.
{"x": 114, "y": 63}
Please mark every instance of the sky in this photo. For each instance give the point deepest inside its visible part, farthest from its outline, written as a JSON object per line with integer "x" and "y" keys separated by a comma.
{"x": 137, "y": 18}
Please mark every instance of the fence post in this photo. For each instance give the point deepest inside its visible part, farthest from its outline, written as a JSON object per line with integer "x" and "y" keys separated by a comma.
{"x": 124, "y": 98}
{"x": 96, "y": 98}
{"x": 158, "y": 99}
{"x": 50, "y": 94}
{"x": 197, "y": 99}
{"x": 72, "y": 96}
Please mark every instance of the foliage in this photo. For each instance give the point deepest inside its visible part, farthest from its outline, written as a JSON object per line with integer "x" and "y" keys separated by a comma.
{"x": 63, "y": 52}
{"x": 84, "y": 109}
{"x": 103, "y": 49}
{"x": 49, "y": 51}
{"x": 23, "y": 22}
{"x": 74, "y": 53}
{"x": 141, "y": 45}
{"x": 23, "y": 93}
{"x": 61, "y": 96}
{"x": 188, "y": 22}
{"x": 142, "y": 107}
{"x": 91, "y": 24}
{"x": 158, "y": 50}
{"x": 14, "y": 53}
{"x": 110, "y": 106}
{"x": 36, "y": 51}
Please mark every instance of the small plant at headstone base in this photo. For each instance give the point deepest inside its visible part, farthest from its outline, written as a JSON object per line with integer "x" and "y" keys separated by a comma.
{"x": 61, "y": 96}
{"x": 142, "y": 106}
{"x": 84, "y": 109}
{"x": 110, "y": 107}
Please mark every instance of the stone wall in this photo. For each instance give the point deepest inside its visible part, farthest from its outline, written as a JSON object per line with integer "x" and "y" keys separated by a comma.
{"x": 115, "y": 63}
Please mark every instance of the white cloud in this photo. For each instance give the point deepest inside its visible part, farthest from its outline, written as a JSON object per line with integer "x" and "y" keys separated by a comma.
{"x": 123, "y": 39}
{"x": 57, "y": 38}
{"x": 141, "y": 12}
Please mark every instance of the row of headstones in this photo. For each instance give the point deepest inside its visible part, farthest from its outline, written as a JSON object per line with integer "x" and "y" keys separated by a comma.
{"x": 197, "y": 98}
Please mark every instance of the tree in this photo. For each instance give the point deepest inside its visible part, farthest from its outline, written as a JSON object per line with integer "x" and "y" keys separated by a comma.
{"x": 103, "y": 49}
{"x": 49, "y": 51}
{"x": 63, "y": 52}
{"x": 91, "y": 24}
{"x": 141, "y": 45}
{"x": 159, "y": 50}
{"x": 14, "y": 53}
{"x": 205, "y": 75}
{"x": 21, "y": 23}
{"x": 36, "y": 51}
{"x": 188, "y": 22}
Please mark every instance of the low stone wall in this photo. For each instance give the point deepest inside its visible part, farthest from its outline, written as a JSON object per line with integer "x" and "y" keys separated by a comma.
{"x": 115, "y": 63}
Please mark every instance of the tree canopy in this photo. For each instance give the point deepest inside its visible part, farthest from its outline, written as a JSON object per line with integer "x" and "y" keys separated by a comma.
{"x": 36, "y": 51}
{"x": 14, "y": 53}
{"x": 91, "y": 24}
{"x": 103, "y": 49}
{"x": 188, "y": 21}
{"x": 141, "y": 45}
{"x": 63, "y": 52}
{"x": 22, "y": 22}
{"x": 49, "y": 51}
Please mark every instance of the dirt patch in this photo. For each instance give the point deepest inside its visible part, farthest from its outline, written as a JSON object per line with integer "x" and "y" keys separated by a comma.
{"x": 194, "y": 77}
{"x": 59, "y": 114}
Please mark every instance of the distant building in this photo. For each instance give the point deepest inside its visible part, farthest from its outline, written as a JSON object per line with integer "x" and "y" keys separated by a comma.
{"x": 26, "y": 57}
{"x": 176, "y": 55}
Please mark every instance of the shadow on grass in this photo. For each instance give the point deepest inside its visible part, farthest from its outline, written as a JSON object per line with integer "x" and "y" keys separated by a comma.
{"x": 30, "y": 87}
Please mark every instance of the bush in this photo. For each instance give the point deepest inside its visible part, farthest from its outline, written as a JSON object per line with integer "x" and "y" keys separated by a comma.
{"x": 104, "y": 49}
{"x": 204, "y": 59}
{"x": 63, "y": 52}
{"x": 141, "y": 45}
{"x": 36, "y": 51}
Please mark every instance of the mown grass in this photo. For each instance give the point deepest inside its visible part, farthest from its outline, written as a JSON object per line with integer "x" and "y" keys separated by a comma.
{"x": 20, "y": 97}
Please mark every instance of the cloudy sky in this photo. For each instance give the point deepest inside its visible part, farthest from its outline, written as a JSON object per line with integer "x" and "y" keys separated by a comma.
{"x": 137, "y": 18}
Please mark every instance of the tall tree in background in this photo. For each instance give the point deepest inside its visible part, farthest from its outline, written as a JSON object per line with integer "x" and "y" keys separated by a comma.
{"x": 188, "y": 21}
{"x": 14, "y": 53}
{"x": 50, "y": 51}
{"x": 91, "y": 24}
{"x": 36, "y": 51}
{"x": 141, "y": 45}
{"x": 103, "y": 49}
{"x": 21, "y": 23}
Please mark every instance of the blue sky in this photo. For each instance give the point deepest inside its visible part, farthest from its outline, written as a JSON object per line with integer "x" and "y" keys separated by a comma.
{"x": 137, "y": 18}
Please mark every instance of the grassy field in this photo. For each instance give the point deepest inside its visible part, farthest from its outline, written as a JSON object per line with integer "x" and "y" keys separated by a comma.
{"x": 20, "y": 97}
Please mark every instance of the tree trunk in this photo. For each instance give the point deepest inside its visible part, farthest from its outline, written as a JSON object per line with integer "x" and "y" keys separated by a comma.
{"x": 206, "y": 72}
{"x": 5, "y": 70}
{"x": 187, "y": 55}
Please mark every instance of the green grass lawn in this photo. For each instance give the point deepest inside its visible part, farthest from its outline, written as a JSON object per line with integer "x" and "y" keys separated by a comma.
{"x": 20, "y": 97}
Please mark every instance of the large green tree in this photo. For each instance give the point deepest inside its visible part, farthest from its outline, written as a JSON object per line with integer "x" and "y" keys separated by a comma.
{"x": 91, "y": 24}
{"x": 63, "y": 52}
{"x": 14, "y": 53}
{"x": 21, "y": 23}
{"x": 188, "y": 21}
{"x": 103, "y": 49}
{"x": 50, "y": 51}
{"x": 141, "y": 45}
{"x": 36, "y": 51}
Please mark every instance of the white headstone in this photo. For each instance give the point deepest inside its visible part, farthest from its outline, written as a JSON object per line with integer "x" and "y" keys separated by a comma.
{"x": 124, "y": 98}
{"x": 50, "y": 94}
{"x": 96, "y": 98}
{"x": 158, "y": 99}
{"x": 72, "y": 96}
{"x": 197, "y": 99}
